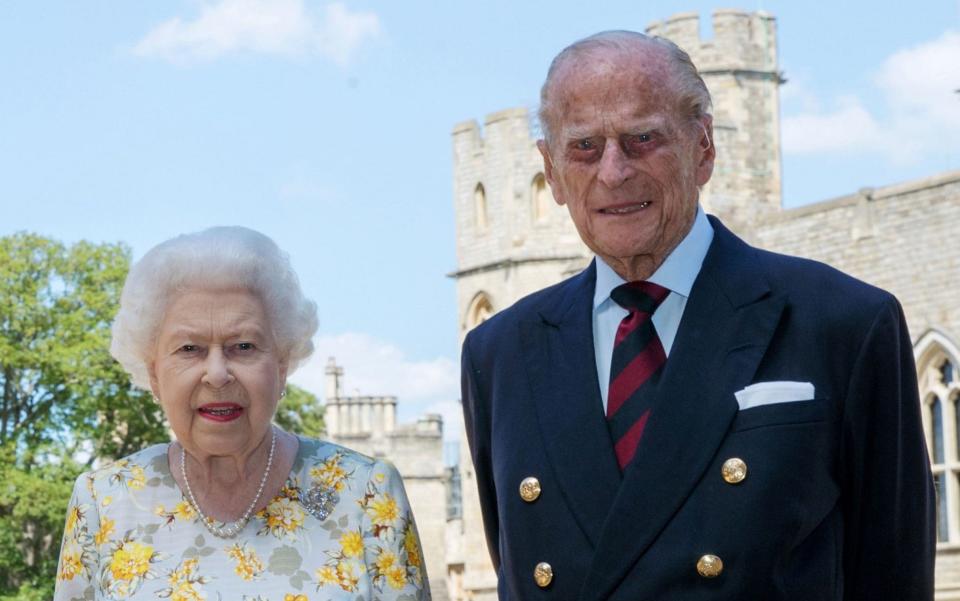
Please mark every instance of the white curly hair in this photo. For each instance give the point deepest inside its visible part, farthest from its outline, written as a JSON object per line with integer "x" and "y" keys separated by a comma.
{"x": 217, "y": 258}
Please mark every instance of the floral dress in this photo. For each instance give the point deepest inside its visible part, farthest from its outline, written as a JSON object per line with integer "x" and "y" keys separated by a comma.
{"x": 131, "y": 534}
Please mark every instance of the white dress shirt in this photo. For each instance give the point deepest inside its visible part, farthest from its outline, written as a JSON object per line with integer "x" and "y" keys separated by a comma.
{"x": 677, "y": 274}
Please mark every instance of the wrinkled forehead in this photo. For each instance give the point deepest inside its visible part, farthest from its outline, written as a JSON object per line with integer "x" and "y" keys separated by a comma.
{"x": 609, "y": 84}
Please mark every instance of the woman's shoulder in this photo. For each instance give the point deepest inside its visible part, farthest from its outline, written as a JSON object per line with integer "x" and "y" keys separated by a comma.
{"x": 313, "y": 452}
{"x": 132, "y": 471}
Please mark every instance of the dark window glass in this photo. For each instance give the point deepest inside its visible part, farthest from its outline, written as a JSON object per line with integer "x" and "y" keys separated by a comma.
{"x": 947, "y": 372}
{"x": 943, "y": 534}
{"x": 936, "y": 413}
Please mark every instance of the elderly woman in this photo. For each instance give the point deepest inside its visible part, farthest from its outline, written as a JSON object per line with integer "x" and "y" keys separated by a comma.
{"x": 235, "y": 508}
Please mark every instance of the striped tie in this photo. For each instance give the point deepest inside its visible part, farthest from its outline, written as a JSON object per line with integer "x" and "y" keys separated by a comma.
{"x": 638, "y": 360}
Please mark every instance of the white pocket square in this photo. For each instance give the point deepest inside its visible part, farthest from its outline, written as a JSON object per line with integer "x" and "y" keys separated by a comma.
{"x": 768, "y": 393}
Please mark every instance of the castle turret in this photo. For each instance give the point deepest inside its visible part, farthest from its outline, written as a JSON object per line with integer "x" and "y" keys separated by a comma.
{"x": 739, "y": 66}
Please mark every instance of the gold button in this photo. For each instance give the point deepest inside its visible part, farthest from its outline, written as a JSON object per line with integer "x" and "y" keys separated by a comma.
{"x": 734, "y": 470}
{"x": 543, "y": 574}
{"x": 530, "y": 490}
{"x": 709, "y": 566}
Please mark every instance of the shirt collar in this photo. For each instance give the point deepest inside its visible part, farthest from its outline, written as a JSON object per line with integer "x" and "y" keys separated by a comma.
{"x": 676, "y": 273}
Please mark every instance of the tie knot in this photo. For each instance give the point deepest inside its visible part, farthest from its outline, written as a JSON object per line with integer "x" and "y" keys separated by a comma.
{"x": 640, "y": 296}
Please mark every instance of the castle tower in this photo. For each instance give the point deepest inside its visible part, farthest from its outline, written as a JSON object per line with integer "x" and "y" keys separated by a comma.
{"x": 511, "y": 236}
{"x": 512, "y": 239}
{"x": 739, "y": 66}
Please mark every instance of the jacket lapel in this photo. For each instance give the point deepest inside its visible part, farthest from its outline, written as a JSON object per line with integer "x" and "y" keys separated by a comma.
{"x": 558, "y": 349}
{"x": 726, "y": 327}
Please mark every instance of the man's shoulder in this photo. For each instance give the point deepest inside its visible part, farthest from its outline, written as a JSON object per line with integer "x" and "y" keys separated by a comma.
{"x": 811, "y": 277}
{"x": 799, "y": 278}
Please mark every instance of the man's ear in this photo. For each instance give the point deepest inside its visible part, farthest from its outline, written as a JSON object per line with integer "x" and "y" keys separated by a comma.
{"x": 706, "y": 149}
{"x": 548, "y": 169}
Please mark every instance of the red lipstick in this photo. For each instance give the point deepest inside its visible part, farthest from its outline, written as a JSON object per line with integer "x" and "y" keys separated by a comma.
{"x": 220, "y": 412}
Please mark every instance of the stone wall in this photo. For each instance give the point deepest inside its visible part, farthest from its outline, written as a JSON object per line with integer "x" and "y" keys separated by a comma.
{"x": 902, "y": 238}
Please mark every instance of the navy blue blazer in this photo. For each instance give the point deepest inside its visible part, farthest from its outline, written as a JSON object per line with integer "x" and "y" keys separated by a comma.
{"x": 838, "y": 502}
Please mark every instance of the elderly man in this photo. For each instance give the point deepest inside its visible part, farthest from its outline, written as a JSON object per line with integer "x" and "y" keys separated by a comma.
{"x": 690, "y": 417}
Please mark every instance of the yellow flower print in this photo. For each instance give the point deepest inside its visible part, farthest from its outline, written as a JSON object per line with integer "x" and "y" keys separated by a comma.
{"x": 185, "y": 583}
{"x": 283, "y": 516}
{"x": 396, "y": 577}
{"x": 411, "y": 546}
{"x": 106, "y": 501}
{"x": 71, "y": 560}
{"x": 385, "y": 561}
{"x": 346, "y": 574}
{"x": 160, "y": 511}
{"x": 131, "y": 560}
{"x": 327, "y": 575}
{"x": 128, "y": 566}
{"x": 138, "y": 478}
{"x": 184, "y": 511}
{"x": 383, "y": 510}
{"x": 352, "y": 544}
{"x": 330, "y": 473}
{"x": 106, "y": 529}
{"x": 291, "y": 597}
{"x": 73, "y": 516}
{"x": 248, "y": 565}
{"x": 379, "y": 478}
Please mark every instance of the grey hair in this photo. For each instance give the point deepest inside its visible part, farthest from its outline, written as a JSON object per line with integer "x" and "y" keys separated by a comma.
{"x": 693, "y": 97}
{"x": 214, "y": 259}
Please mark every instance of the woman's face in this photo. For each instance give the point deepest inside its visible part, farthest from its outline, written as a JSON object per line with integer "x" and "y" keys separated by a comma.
{"x": 217, "y": 371}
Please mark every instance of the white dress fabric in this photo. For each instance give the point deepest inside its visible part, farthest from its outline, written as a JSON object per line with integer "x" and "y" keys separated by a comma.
{"x": 131, "y": 534}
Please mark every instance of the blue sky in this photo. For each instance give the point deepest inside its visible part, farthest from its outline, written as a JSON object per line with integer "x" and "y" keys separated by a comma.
{"x": 326, "y": 125}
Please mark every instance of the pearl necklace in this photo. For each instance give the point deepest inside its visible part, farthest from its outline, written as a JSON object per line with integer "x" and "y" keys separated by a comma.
{"x": 232, "y": 529}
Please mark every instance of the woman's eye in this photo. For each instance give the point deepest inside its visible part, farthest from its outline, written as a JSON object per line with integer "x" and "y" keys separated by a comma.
{"x": 188, "y": 348}
{"x": 245, "y": 346}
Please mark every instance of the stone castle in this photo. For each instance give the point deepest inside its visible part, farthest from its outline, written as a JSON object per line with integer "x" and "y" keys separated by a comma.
{"x": 512, "y": 239}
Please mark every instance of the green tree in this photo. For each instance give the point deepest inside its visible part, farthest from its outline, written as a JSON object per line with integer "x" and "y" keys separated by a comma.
{"x": 58, "y": 384}
{"x": 61, "y": 395}
{"x": 300, "y": 412}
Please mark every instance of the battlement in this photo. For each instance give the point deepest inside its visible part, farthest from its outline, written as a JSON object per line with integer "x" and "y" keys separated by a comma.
{"x": 502, "y": 130}
{"x": 359, "y": 415}
{"x": 741, "y": 41}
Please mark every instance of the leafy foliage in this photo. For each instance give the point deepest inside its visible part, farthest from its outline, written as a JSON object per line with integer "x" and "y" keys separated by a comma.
{"x": 300, "y": 412}
{"x": 58, "y": 383}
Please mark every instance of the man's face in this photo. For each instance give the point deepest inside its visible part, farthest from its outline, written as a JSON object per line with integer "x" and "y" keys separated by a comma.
{"x": 624, "y": 159}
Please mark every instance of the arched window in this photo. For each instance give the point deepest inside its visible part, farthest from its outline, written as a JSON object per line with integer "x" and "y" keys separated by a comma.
{"x": 480, "y": 208}
{"x": 540, "y": 198}
{"x": 937, "y": 359}
{"x": 479, "y": 311}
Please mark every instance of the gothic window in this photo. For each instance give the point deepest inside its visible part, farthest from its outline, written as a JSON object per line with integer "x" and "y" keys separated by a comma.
{"x": 540, "y": 198}
{"x": 937, "y": 360}
{"x": 479, "y": 311}
{"x": 480, "y": 208}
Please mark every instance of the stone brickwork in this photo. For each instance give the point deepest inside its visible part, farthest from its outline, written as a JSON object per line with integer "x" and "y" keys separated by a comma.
{"x": 904, "y": 238}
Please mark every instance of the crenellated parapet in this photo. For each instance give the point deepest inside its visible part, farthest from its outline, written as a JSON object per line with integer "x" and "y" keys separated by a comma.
{"x": 743, "y": 41}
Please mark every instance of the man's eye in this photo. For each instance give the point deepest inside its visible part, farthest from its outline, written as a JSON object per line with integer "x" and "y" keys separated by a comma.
{"x": 636, "y": 143}
{"x": 188, "y": 348}
{"x": 245, "y": 346}
{"x": 584, "y": 145}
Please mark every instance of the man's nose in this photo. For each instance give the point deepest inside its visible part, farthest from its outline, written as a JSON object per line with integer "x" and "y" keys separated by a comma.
{"x": 615, "y": 167}
{"x": 217, "y": 373}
